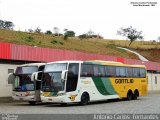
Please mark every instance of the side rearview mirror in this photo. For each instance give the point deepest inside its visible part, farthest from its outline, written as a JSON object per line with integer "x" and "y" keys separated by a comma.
{"x": 64, "y": 75}
{"x": 38, "y": 76}
{"x": 11, "y": 77}
{"x": 33, "y": 76}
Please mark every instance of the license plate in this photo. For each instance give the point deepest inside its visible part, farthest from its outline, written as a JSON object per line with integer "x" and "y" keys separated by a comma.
{"x": 20, "y": 98}
{"x": 46, "y": 94}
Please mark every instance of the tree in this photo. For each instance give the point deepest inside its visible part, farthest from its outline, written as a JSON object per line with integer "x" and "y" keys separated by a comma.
{"x": 90, "y": 32}
{"x": 9, "y": 25}
{"x": 37, "y": 30}
{"x": 1, "y": 24}
{"x": 69, "y": 34}
{"x": 48, "y": 32}
{"x": 131, "y": 33}
{"x": 6, "y": 25}
{"x": 30, "y": 30}
{"x": 83, "y": 36}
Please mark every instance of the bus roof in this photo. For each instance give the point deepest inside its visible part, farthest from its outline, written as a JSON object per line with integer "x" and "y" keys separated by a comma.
{"x": 100, "y": 62}
{"x": 32, "y": 64}
{"x": 66, "y": 61}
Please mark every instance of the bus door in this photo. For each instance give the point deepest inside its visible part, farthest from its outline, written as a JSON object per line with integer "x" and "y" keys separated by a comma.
{"x": 72, "y": 77}
{"x": 38, "y": 83}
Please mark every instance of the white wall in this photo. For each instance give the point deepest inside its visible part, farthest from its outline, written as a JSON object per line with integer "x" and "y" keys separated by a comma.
{"x": 151, "y": 81}
{"x": 5, "y": 88}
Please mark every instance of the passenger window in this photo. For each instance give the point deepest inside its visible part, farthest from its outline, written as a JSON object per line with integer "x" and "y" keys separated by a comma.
{"x": 120, "y": 72}
{"x": 86, "y": 70}
{"x": 110, "y": 71}
{"x": 99, "y": 71}
{"x": 129, "y": 72}
{"x": 142, "y": 72}
{"x": 102, "y": 71}
{"x": 136, "y": 72}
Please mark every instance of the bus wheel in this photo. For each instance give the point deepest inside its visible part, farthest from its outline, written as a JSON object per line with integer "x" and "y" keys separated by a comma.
{"x": 129, "y": 95}
{"x": 135, "y": 95}
{"x": 84, "y": 99}
{"x": 32, "y": 102}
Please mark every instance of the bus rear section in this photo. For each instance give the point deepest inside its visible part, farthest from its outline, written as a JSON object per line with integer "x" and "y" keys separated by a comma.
{"x": 25, "y": 88}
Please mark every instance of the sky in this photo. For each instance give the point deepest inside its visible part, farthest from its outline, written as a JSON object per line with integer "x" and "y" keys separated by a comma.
{"x": 104, "y": 17}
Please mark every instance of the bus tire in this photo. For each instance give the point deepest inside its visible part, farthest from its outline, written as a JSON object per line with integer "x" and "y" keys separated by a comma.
{"x": 129, "y": 95}
{"x": 135, "y": 95}
{"x": 84, "y": 98}
{"x": 32, "y": 102}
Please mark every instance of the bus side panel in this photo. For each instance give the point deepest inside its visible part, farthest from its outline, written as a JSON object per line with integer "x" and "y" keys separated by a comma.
{"x": 96, "y": 89}
{"x": 122, "y": 87}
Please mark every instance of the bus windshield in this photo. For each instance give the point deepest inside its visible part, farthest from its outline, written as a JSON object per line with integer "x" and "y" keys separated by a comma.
{"x": 23, "y": 81}
{"x": 26, "y": 69}
{"x": 51, "y": 80}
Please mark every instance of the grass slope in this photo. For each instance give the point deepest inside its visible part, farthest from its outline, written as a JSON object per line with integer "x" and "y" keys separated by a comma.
{"x": 98, "y": 46}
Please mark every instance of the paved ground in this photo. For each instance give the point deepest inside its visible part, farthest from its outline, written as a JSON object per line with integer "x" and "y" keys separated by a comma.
{"x": 149, "y": 104}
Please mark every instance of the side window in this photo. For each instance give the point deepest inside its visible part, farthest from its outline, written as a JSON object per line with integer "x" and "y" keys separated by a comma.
{"x": 120, "y": 71}
{"x": 102, "y": 71}
{"x": 129, "y": 72}
{"x": 99, "y": 71}
{"x": 110, "y": 71}
{"x": 142, "y": 72}
{"x": 117, "y": 71}
{"x": 10, "y": 71}
{"x": 136, "y": 72}
{"x": 86, "y": 70}
{"x": 72, "y": 77}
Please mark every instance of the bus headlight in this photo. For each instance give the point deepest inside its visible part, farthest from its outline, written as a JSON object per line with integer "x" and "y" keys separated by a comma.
{"x": 61, "y": 93}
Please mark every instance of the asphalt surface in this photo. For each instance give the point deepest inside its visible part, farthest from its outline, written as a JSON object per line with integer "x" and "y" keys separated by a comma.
{"x": 144, "y": 105}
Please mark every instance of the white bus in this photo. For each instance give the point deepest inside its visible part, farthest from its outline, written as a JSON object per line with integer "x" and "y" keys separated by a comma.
{"x": 84, "y": 81}
{"x": 25, "y": 88}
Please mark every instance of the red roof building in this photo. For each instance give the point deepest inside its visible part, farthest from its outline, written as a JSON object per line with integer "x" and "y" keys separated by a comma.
{"x": 10, "y": 51}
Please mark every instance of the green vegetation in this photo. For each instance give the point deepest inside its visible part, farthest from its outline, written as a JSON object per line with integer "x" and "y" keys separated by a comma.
{"x": 131, "y": 33}
{"x": 56, "y": 42}
{"x": 150, "y": 50}
{"x": 29, "y": 39}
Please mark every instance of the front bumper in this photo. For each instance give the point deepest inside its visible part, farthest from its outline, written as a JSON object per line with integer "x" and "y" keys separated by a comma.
{"x": 26, "y": 98}
{"x": 54, "y": 99}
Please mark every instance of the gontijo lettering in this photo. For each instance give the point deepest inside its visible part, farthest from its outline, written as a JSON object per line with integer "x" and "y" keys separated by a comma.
{"x": 119, "y": 81}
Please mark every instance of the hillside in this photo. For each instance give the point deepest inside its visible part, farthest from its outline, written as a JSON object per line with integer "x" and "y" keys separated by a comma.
{"x": 99, "y": 46}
